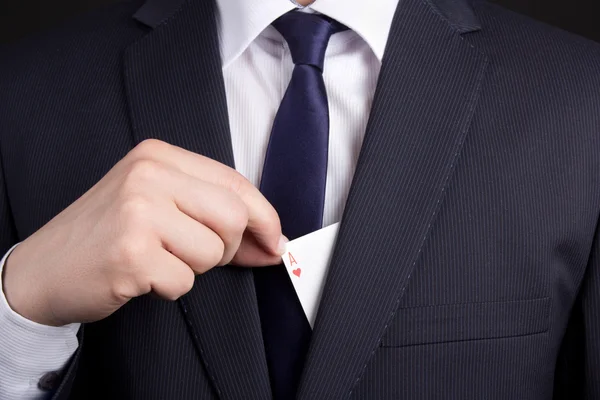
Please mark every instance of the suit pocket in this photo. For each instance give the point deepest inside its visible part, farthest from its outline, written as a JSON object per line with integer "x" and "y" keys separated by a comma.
{"x": 472, "y": 321}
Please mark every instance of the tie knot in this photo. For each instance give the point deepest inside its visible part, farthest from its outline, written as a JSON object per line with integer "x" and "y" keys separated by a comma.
{"x": 307, "y": 36}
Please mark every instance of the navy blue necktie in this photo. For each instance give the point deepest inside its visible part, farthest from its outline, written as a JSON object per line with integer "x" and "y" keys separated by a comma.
{"x": 293, "y": 181}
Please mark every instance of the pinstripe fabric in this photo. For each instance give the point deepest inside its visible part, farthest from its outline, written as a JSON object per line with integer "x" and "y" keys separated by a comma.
{"x": 468, "y": 261}
{"x": 157, "y": 82}
{"x": 422, "y": 109}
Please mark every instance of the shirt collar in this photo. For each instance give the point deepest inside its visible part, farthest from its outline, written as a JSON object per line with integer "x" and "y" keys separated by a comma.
{"x": 241, "y": 21}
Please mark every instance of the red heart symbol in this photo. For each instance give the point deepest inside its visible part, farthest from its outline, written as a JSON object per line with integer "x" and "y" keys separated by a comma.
{"x": 297, "y": 272}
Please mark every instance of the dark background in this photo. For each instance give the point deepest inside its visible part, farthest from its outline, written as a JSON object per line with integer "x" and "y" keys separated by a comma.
{"x": 20, "y": 17}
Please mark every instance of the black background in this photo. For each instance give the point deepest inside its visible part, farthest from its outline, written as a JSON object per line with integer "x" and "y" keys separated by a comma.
{"x": 21, "y": 17}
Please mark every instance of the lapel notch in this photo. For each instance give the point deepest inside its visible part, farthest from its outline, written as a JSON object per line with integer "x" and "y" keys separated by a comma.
{"x": 175, "y": 92}
{"x": 458, "y": 13}
{"x": 425, "y": 99}
{"x": 155, "y": 12}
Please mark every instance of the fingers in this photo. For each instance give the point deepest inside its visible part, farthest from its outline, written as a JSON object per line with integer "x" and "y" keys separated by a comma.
{"x": 220, "y": 210}
{"x": 194, "y": 235}
{"x": 168, "y": 276}
{"x": 263, "y": 221}
{"x": 193, "y": 243}
{"x": 251, "y": 254}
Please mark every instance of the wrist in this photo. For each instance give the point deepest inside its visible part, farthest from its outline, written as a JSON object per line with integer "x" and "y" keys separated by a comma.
{"x": 21, "y": 291}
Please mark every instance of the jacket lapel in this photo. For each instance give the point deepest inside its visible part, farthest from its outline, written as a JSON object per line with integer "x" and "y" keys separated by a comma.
{"x": 427, "y": 91}
{"x": 175, "y": 91}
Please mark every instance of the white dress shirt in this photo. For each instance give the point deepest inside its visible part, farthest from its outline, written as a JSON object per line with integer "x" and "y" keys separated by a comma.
{"x": 257, "y": 67}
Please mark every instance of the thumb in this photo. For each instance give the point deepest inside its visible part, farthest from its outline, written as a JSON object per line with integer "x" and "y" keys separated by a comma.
{"x": 251, "y": 253}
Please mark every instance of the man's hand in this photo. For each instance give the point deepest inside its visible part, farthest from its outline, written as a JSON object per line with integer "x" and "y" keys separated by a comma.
{"x": 158, "y": 218}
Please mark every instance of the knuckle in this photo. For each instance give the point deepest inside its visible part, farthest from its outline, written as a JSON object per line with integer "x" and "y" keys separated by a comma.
{"x": 171, "y": 295}
{"x": 130, "y": 250}
{"x": 235, "y": 218}
{"x": 187, "y": 283}
{"x": 122, "y": 291}
{"x": 216, "y": 253}
{"x": 134, "y": 214}
{"x": 212, "y": 255}
{"x": 236, "y": 182}
{"x": 134, "y": 205}
{"x": 143, "y": 170}
{"x": 149, "y": 147}
{"x": 179, "y": 287}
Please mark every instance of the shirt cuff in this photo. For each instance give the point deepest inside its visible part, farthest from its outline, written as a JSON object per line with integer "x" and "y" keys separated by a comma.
{"x": 29, "y": 350}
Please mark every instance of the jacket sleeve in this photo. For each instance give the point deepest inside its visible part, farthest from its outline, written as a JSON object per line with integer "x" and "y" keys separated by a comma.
{"x": 16, "y": 365}
{"x": 64, "y": 391}
{"x": 8, "y": 232}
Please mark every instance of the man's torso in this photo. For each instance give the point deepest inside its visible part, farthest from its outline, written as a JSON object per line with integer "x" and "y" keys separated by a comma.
{"x": 466, "y": 234}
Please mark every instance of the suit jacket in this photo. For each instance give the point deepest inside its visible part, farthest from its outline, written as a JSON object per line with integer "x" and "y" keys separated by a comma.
{"x": 467, "y": 264}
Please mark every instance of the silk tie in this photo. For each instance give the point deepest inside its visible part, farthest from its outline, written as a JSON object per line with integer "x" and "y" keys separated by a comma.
{"x": 293, "y": 180}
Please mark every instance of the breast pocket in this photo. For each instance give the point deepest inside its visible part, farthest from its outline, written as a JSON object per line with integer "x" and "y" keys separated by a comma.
{"x": 471, "y": 321}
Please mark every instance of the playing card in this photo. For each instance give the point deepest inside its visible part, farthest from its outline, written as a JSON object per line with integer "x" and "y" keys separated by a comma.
{"x": 307, "y": 260}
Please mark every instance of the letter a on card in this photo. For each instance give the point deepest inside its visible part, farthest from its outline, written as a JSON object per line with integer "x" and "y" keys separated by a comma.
{"x": 292, "y": 259}
{"x": 307, "y": 261}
